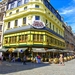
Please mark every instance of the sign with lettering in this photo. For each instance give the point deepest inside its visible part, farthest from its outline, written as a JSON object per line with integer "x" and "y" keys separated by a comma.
{"x": 38, "y": 24}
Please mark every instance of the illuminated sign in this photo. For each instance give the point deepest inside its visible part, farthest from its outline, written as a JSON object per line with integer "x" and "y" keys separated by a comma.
{"x": 38, "y": 24}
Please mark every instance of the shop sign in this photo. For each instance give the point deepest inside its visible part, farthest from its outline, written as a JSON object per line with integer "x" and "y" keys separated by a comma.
{"x": 38, "y": 24}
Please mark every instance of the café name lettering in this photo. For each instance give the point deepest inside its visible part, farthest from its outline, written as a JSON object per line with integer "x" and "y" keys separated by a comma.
{"x": 38, "y": 24}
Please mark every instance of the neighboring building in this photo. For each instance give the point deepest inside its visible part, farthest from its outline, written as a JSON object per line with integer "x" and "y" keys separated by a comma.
{"x": 32, "y": 24}
{"x": 2, "y": 14}
{"x": 69, "y": 37}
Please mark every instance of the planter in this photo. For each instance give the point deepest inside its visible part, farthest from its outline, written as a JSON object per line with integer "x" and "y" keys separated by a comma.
{"x": 55, "y": 60}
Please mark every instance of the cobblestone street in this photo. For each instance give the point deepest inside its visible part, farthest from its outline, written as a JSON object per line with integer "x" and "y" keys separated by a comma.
{"x": 37, "y": 69}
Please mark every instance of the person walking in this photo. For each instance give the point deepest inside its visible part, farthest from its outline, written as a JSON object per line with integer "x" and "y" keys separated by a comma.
{"x": 1, "y": 58}
{"x": 61, "y": 60}
{"x": 9, "y": 57}
{"x": 24, "y": 60}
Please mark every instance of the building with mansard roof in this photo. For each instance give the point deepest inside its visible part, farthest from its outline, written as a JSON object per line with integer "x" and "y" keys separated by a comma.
{"x": 32, "y": 24}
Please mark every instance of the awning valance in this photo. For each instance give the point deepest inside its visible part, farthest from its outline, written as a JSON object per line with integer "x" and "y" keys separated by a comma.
{"x": 52, "y": 50}
{"x": 3, "y": 49}
{"x": 40, "y": 50}
{"x": 19, "y": 49}
{"x": 65, "y": 50}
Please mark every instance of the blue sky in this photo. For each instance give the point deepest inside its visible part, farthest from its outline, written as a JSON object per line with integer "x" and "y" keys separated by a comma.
{"x": 66, "y": 9}
{"x": 0, "y": 0}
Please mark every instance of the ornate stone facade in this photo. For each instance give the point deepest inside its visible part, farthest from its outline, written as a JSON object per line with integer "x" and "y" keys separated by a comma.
{"x": 69, "y": 37}
{"x": 2, "y": 14}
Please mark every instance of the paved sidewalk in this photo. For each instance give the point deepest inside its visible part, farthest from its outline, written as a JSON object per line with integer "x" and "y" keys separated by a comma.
{"x": 37, "y": 69}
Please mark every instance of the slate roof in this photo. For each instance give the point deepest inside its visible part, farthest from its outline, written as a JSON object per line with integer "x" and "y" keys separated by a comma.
{"x": 18, "y": 29}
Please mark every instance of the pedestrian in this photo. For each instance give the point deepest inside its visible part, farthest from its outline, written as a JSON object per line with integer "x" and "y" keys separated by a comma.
{"x": 9, "y": 57}
{"x": 61, "y": 60}
{"x": 1, "y": 58}
{"x": 13, "y": 58}
{"x": 24, "y": 60}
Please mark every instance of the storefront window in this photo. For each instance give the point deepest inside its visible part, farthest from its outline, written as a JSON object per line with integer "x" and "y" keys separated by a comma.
{"x": 10, "y": 40}
{"x": 6, "y": 40}
{"x": 41, "y": 37}
{"x": 20, "y": 38}
{"x": 26, "y": 37}
{"x": 23, "y": 38}
{"x": 38, "y": 37}
{"x": 34, "y": 37}
{"x": 15, "y": 39}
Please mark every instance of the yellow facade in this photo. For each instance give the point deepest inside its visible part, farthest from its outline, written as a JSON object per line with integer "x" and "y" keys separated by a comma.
{"x": 33, "y": 37}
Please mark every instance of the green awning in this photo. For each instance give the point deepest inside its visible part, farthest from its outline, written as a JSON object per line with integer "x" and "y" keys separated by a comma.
{"x": 19, "y": 49}
{"x": 40, "y": 50}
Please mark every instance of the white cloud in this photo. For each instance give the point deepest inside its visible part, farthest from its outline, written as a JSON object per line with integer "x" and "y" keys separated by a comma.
{"x": 69, "y": 14}
{"x": 66, "y": 11}
{"x": 73, "y": 0}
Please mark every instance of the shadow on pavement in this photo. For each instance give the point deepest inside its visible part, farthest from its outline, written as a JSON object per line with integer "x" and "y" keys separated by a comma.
{"x": 7, "y": 67}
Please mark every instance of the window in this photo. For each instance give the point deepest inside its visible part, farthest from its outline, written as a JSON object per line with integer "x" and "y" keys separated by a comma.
{"x": 38, "y": 37}
{"x": 24, "y": 20}
{"x": 23, "y": 38}
{"x": 36, "y": 6}
{"x": 37, "y": 17}
{"x": 46, "y": 21}
{"x": 26, "y": 37}
{"x": 53, "y": 27}
{"x": 8, "y": 24}
{"x": 0, "y": 27}
{"x": 6, "y": 40}
{"x": 50, "y": 25}
{"x": 25, "y": 8}
{"x": 17, "y": 11}
{"x": 2, "y": 10}
{"x": 19, "y": 2}
{"x": 20, "y": 38}
{"x": 26, "y": 1}
{"x": 34, "y": 37}
{"x": 41, "y": 37}
{"x": 10, "y": 13}
{"x": 57, "y": 30}
{"x": 10, "y": 39}
{"x": 15, "y": 39}
{"x": 16, "y": 22}
{"x": 12, "y": 5}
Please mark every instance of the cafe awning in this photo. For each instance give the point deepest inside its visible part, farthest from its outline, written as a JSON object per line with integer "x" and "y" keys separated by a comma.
{"x": 52, "y": 50}
{"x": 3, "y": 49}
{"x": 40, "y": 50}
{"x": 19, "y": 49}
{"x": 71, "y": 51}
{"x": 65, "y": 50}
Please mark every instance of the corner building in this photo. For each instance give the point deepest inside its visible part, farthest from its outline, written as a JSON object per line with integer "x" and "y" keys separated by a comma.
{"x": 32, "y": 24}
